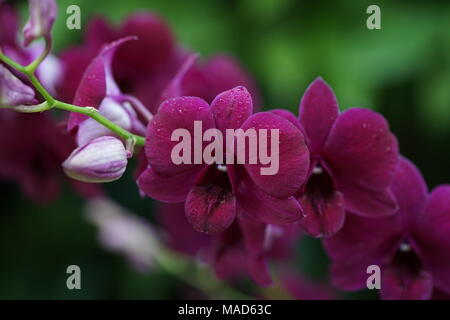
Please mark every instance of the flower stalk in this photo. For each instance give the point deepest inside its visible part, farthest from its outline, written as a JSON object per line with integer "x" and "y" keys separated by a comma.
{"x": 179, "y": 266}
{"x": 51, "y": 102}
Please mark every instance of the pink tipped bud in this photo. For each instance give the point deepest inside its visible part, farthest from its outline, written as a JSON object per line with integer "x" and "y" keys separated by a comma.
{"x": 103, "y": 159}
{"x": 40, "y": 23}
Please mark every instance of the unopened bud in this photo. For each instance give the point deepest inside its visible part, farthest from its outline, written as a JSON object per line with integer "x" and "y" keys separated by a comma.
{"x": 40, "y": 23}
{"x": 104, "y": 159}
{"x": 121, "y": 114}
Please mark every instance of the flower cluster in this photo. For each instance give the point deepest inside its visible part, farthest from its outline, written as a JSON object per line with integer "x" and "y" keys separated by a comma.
{"x": 33, "y": 146}
{"x": 340, "y": 175}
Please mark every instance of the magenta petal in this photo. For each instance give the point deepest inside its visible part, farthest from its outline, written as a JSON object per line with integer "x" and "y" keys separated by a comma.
{"x": 155, "y": 45}
{"x": 356, "y": 246}
{"x": 363, "y": 156}
{"x": 410, "y": 191}
{"x": 179, "y": 236}
{"x": 293, "y": 156}
{"x": 301, "y": 287}
{"x": 231, "y": 108}
{"x": 240, "y": 249}
{"x": 99, "y": 32}
{"x": 318, "y": 111}
{"x": 162, "y": 187}
{"x": 440, "y": 295}
{"x": 288, "y": 116}
{"x": 223, "y": 72}
{"x": 254, "y": 234}
{"x": 13, "y": 92}
{"x": 97, "y": 82}
{"x": 211, "y": 205}
{"x": 173, "y": 114}
{"x": 8, "y": 24}
{"x": 398, "y": 286}
{"x": 175, "y": 87}
{"x": 258, "y": 269}
{"x": 328, "y": 221}
{"x": 432, "y": 234}
{"x": 368, "y": 203}
{"x": 227, "y": 252}
{"x": 260, "y": 205}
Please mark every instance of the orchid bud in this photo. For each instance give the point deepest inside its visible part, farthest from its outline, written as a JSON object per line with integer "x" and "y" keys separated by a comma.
{"x": 121, "y": 114}
{"x": 42, "y": 17}
{"x": 13, "y": 92}
{"x": 104, "y": 159}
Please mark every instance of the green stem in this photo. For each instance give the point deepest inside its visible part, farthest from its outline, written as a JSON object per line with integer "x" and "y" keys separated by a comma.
{"x": 31, "y": 68}
{"x": 182, "y": 268}
{"x": 32, "y": 109}
{"x": 53, "y": 103}
{"x": 11, "y": 63}
{"x": 94, "y": 114}
{"x": 37, "y": 84}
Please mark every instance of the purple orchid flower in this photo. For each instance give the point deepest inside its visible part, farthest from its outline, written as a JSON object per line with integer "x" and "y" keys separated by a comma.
{"x": 243, "y": 248}
{"x": 412, "y": 248}
{"x": 353, "y": 161}
{"x": 144, "y": 68}
{"x": 98, "y": 90}
{"x": 33, "y": 145}
{"x": 299, "y": 287}
{"x": 50, "y": 72}
{"x": 248, "y": 245}
{"x": 180, "y": 236}
{"x": 213, "y": 192}
{"x": 209, "y": 79}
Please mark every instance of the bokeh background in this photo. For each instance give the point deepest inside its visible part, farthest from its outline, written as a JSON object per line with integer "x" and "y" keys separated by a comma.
{"x": 402, "y": 71}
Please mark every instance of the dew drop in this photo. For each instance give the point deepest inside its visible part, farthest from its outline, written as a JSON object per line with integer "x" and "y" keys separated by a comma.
{"x": 222, "y": 168}
{"x": 317, "y": 170}
{"x": 405, "y": 247}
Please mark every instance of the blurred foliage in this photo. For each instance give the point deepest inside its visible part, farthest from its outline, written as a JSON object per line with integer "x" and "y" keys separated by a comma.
{"x": 402, "y": 70}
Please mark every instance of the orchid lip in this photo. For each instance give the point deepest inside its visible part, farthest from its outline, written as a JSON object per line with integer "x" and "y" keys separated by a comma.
{"x": 320, "y": 185}
{"x": 407, "y": 259}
